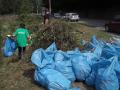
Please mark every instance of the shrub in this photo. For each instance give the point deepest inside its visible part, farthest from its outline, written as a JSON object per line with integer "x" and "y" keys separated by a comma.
{"x": 60, "y": 32}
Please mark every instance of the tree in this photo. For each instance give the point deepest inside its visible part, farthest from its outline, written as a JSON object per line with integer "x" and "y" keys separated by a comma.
{"x": 38, "y": 5}
{"x": 6, "y": 6}
{"x": 9, "y": 7}
{"x": 26, "y": 7}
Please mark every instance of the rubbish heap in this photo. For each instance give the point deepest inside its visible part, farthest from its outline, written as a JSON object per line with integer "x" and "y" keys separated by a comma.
{"x": 98, "y": 66}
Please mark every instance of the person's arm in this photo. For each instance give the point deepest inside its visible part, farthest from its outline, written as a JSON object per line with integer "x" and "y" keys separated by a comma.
{"x": 14, "y": 35}
{"x": 28, "y": 37}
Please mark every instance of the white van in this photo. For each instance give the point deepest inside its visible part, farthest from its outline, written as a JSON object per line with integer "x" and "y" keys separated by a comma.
{"x": 72, "y": 16}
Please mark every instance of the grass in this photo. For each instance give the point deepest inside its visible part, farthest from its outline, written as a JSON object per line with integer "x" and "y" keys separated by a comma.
{"x": 18, "y": 75}
{"x": 85, "y": 32}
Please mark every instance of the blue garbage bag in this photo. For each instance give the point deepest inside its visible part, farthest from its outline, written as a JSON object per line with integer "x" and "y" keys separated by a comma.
{"x": 81, "y": 67}
{"x": 90, "y": 80}
{"x": 48, "y": 78}
{"x": 52, "y": 47}
{"x": 117, "y": 48}
{"x": 98, "y": 51}
{"x": 60, "y": 56}
{"x": 88, "y": 46}
{"x": 55, "y": 80}
{"x": 39, "y": 77}
{"x": 109, "y": 51}
{"x": 63, "y": 64}
{"x": 94, "y": 56}
{"x": 74, "y": 52}
{"x": 41, "y": 59}
{"x": 90, "y": 57}
{"x": 9, "y": 47}
{"x": 96, "y": 42}
{"x": 51, "y": 50}
{"x": 65, "y": 67}
{"x": 106, "y": 78}
{"x": 117, "y": 69}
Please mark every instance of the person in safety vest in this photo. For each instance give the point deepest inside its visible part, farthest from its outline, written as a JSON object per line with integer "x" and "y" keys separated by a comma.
{"x": 22, "y": 38}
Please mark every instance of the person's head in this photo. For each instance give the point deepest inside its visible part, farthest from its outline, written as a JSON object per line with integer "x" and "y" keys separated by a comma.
{"x": 22, "y": 25}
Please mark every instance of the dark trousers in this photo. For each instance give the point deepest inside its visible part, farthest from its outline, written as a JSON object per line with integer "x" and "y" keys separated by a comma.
{"x": 21, "y": 51}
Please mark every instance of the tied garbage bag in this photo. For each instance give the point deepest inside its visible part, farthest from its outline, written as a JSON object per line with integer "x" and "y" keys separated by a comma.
{"x": 96, "y": 42}
{"x": 63, "y": 64}
{"x": 109, "y": 51}
{"x": 81, "y": 68}
{"x": 93, "y": 57}
{"x": 98, "y": 51}
{"x": 90, "y": 80}
{"x": 51, "y": 50}
{"x": 9, "y": 47}
{"x": 54, "y": 80}
{"x": 41, "y": 59}
{"x": 117, "y": 69}
{"x": 39, "y": 77}
{"x": 90, "y": 58}
{"x": 52, "y": 47}
{"x": 106, "y": 78}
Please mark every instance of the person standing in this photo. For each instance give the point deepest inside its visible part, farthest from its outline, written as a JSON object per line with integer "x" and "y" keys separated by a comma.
{"x": 46, "y": 17}
{"x": 22, "y": 38}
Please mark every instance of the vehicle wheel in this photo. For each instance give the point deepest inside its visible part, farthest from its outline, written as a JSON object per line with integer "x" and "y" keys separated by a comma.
{"x": 107, "y": 28}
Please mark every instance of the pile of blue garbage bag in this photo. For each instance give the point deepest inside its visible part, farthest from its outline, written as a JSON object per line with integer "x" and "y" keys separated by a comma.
{"x": 98, "y": 66}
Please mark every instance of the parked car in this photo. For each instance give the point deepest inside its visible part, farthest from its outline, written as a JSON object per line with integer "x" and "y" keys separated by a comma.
{"x": 113, "y": 25}
{"x": 63, "y": 17}
{"x": 57, "y": 15}
{"x": 72, "y": 16}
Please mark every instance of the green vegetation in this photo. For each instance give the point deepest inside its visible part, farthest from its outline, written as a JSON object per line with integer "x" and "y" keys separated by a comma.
{"x": 20, "y": 6}
{"x": 60, "y": 32}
